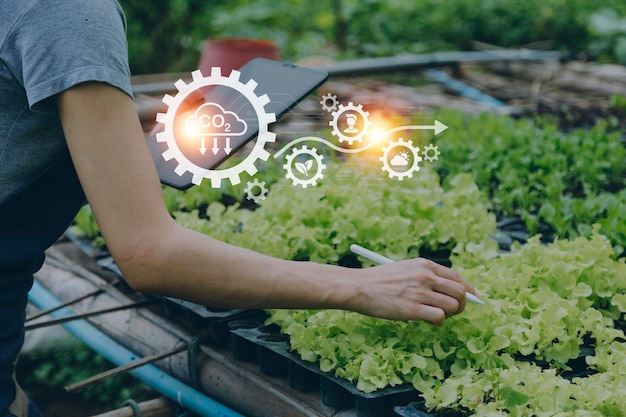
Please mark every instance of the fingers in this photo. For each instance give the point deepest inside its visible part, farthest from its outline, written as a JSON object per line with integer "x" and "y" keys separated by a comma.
{"x": 448, "y": 303}
{"x": 448, "y": 288}
{"x": 432, "y": 315}
{"x": 450, "y": 274}
{"x": 415, "y": 289}
{"x": 454, "y": 293}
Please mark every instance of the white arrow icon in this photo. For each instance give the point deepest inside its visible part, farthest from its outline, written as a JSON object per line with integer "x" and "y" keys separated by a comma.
{"x": 227, "y": 148}
{"x": 438, "y": 127}
{"x": 216, "y": 148}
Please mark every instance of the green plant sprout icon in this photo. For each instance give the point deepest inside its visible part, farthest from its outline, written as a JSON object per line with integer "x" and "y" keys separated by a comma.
{"x": 304, "y": 167}
{"x": 409, "y": 158}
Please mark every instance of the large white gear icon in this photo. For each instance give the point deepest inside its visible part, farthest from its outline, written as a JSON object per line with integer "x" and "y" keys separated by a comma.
{"x": 258, "y": 151}
{"x": 431, "y": 152}
{"x": 332, "y": 98}
{"x": 262, "y": 190}
{"x": 288, "y": 166}
{"x": 361, "y": 133}
{"x": 400, "y": 143}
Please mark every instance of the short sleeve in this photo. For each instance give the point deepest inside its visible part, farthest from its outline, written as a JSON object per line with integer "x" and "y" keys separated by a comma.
{"x": 58, "y": 44}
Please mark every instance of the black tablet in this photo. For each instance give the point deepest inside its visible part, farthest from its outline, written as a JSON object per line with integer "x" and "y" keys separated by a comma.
{"x": 205, "y": 127}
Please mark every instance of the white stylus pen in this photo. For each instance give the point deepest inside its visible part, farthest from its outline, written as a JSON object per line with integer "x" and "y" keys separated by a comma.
{"x": 375, "y": 257}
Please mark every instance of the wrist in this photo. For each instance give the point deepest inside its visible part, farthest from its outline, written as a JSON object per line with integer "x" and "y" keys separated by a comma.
{"x": 339, "y": 285}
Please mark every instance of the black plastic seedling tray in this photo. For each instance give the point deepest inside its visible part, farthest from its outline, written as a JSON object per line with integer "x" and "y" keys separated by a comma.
{"x": 86, "y": 245}
{"x": 252, "y": 341}
{"x": 576, "y": 368}
{"x": 417, "y": 409}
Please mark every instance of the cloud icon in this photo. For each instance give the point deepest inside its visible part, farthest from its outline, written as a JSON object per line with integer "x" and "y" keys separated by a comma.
{"x": 399, "y": 161}
{"x": 211, "y": 119}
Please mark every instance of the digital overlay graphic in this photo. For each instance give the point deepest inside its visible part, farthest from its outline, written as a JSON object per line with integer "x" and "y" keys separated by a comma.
{"x": 199, "y": 132}
{"x": 206, "y": 123}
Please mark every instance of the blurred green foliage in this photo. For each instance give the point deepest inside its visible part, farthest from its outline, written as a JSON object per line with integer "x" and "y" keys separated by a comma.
{"x": 167, "y": 35}
{"x": 57, "y": 368}
{"x": 164, "y": 35}
{"x": 609, "y": 34}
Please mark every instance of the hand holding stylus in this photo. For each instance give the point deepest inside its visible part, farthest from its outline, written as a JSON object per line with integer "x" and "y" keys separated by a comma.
{"x": 375, "y": 257}
{"x": 428, "y": 291}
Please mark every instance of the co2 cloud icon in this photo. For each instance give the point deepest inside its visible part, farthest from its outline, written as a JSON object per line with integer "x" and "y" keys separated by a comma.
{"x": 211, "y": 119}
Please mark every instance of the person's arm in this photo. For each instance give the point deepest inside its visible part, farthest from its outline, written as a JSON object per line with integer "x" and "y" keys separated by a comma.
{"x": 157, "y": 255}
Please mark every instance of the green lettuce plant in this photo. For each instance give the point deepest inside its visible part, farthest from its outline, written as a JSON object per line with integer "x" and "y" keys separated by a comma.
{"x": 544, "y": 303}
{"x": 85, "y": 224}
{"x": 530, "y": 169}
{"x": 398, "y": 218}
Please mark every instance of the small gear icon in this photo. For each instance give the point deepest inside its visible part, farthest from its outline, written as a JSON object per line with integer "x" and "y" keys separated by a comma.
{"x": 246, "y": 90}
{"x": 251, "y": 185}
{"x": 304, "y": 167}
{"x": 356, "y": 135}
{"x": 401, "y": 159}
{"x": 431, "y": 152}
{"x": 332, "y": 98}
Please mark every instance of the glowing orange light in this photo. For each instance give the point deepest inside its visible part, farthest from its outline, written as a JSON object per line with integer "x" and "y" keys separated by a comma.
{"x": 186, "y": 134}
{"x": 381, "y": 124}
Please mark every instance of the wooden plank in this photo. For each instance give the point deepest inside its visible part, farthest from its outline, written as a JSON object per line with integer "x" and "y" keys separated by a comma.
{"x": 159, "y": 407}
{"x": 574, "y": 77}
{"x": 412, "y": 61}
{"x": 88, "y": 314}
{"x": 65, "y": 304}
{"x": 158, "y": 84}
{"x": 226, "y": 380}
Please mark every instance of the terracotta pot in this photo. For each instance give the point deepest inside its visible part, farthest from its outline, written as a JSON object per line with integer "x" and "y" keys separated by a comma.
{"x": 233, "y": 53}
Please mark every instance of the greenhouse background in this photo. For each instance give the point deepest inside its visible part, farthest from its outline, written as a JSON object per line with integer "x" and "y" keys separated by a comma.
{"x": 523, "y": 192}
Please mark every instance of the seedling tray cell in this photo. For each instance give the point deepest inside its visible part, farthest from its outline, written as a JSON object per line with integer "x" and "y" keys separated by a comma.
{"x": 194, "y": 316}
{"x": 417, "y": 409}
{"x": 307, "y": 376}
{"x": 243, "y": 348}
{"x": 335, "y": 395}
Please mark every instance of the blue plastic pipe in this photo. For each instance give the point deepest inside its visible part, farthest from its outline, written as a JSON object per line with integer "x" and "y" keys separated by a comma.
{"x": 171, "y": 388}
{"x": 463, "y": 89}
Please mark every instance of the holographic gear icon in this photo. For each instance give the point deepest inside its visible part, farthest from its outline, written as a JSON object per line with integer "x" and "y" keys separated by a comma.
{"x": 332, "y": 98}
{"x": 431, "y": 152}
{"x": 173, "y": 151}
{"x": 408, "y": 173}
{"x": 251, "y": 185}
{"x": 358, "y": 137}
{"x": 288, "y": 166}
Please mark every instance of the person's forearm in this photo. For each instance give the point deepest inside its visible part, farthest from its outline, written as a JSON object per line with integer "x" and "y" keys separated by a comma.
{"x": 157, "y": 255}
{"x": 195, "y": 267}
{"x": 154, "y": 253}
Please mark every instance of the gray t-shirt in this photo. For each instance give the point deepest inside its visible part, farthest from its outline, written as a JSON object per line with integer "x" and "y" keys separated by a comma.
{"x": 47, "y": 46}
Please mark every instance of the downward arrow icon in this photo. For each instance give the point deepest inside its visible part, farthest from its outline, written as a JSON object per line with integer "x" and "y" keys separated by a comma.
{"x": 202, "y": 145}
{"x": 215, "y": 148}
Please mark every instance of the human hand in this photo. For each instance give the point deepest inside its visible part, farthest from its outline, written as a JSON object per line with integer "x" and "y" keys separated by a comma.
{"x": 415, "y": 289}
